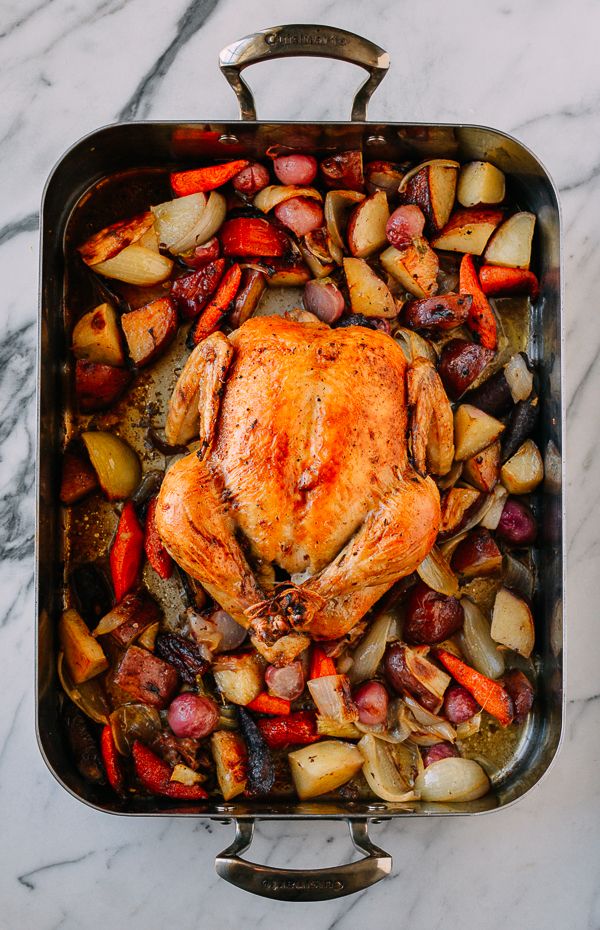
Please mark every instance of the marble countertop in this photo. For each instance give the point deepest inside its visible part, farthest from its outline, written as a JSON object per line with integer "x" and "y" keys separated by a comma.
{"x": 527, "y": 67}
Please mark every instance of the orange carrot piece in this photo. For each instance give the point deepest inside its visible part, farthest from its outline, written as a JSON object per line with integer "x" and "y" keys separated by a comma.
{"x": 269, "y": 704}
{"x": 200, "y": 180}
{"x": 481, "y": 320}
{"x": 213, "y": 313}
{"x": 320, "y": 664}
{"x": 498, "y": 281}
{"x": 490, "y": 695}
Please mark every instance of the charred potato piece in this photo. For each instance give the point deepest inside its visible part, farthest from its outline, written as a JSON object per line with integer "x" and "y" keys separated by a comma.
{"x": 78, "y": 478}
{"x": 483, "y": 469}
{"x": 477, "y": 554}
{"x": 98, "y": 386}
{"x": 149, "y": 330}
{"x": 433, "y": 189}
{"x": 231, "y": 761}
{"x": 146, "y": 678}
{"x": 460, "y": 364}
{"x": 344, "y": 170}
{"x": 524, "y": 471}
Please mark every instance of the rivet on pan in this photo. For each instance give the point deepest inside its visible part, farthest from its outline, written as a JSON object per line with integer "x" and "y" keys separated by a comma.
{"x": 375, "y": 140}
{"x": 228, "y": 140}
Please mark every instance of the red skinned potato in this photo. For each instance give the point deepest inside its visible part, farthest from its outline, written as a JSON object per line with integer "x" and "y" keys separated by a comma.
{"x": 99, "y": 386}
{"x": 437, "y": 314}
{"x": 366, "y": 232}
{"x": 371, "y": 698}
{"x": 476, "y": 555}
{"x": 468, "y": 230}
{"x": 78, "y": 478}
{"x": 149, "y": 330}
{"x": 252, "y": 287}
{"x": 431, "y": 618}
{"x": 193, "y": 715}
{"x": 369, "y": 295}
{"x": 439, "y": 751}
{"x": 483, "y": 469}
{"x": 517, "y": 524}
{"x": 251, "y": 179}
{"x": 295, "y": 169}
{"x": 324, "y": 299}
{"x": 405, "y": 224}
{"x": 146, "y": 678}
{"x": 459, "y": 705}
{"x": 203, "y": 254}
{"x": 460, "y": 364}
{"x": 344, "y": 171}
{"x": 521, "y": 692}
{"x": 97, "y": 337}
{"x": 300, "y": 214}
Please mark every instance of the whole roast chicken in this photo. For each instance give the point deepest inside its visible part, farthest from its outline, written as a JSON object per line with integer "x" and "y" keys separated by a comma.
{"x": 299, "y": 508}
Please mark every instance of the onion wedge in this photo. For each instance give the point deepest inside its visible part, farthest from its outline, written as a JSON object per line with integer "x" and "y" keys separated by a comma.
{"x": 381, "y": 773}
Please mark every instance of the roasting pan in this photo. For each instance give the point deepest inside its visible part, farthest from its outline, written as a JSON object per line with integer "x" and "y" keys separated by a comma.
{"x": 127, "y": 146}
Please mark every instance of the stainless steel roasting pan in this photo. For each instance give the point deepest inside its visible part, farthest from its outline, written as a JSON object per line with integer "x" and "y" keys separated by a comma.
{"x": 127, "y": 146}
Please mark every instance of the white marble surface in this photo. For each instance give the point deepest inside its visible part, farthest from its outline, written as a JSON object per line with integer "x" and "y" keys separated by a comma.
{"x": 529, "y": 67}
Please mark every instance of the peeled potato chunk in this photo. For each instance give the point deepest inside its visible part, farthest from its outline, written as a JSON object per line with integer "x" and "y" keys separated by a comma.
{"x": 323, "y": 767}
{"x": 474, "y": 430}
{"x": 480, "y": 182}
{"x": 511, "y": 243}
{"x": 512, "y": 623}
{"x": 83, "y": 654}
{"x": 524, "y": 471}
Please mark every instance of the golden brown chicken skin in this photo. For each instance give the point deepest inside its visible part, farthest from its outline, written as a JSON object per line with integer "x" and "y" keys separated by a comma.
{"x": 303, "y": 465}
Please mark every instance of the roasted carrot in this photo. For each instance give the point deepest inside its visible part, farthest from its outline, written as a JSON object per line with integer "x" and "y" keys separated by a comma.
{"x": 481, "y": 320}
{"x": 299, "y": 729}
{"x": 155, "y": 776}
{"x": 157, "y": 555}
{"x": 214, "y": 312}
{"x": 269, "y": 704}
{"x": 320, "y": 664}
{"x": 111, "y": 760}
{"x": 200, "y": 180}
{"x": 253, "y": 237}
{"x": 497, "y": 281}
{"x": 126, "y": 552}
{"x": 489, "y": 694}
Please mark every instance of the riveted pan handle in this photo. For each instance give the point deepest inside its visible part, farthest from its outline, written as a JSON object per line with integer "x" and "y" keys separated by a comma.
{"x": 301, "y": 884}
{"x": 291, "y": 41}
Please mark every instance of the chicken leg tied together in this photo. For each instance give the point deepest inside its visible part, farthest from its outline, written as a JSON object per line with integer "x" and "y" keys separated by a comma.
{"x": 392, "y": 542}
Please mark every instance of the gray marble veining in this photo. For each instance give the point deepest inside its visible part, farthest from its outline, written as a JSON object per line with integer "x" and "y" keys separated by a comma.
{"x": 530, "y": 68}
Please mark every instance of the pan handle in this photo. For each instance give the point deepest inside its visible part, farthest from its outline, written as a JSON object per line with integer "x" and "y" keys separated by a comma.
{"x": 291, "y": 41}
{"x": 301, "y": 884}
